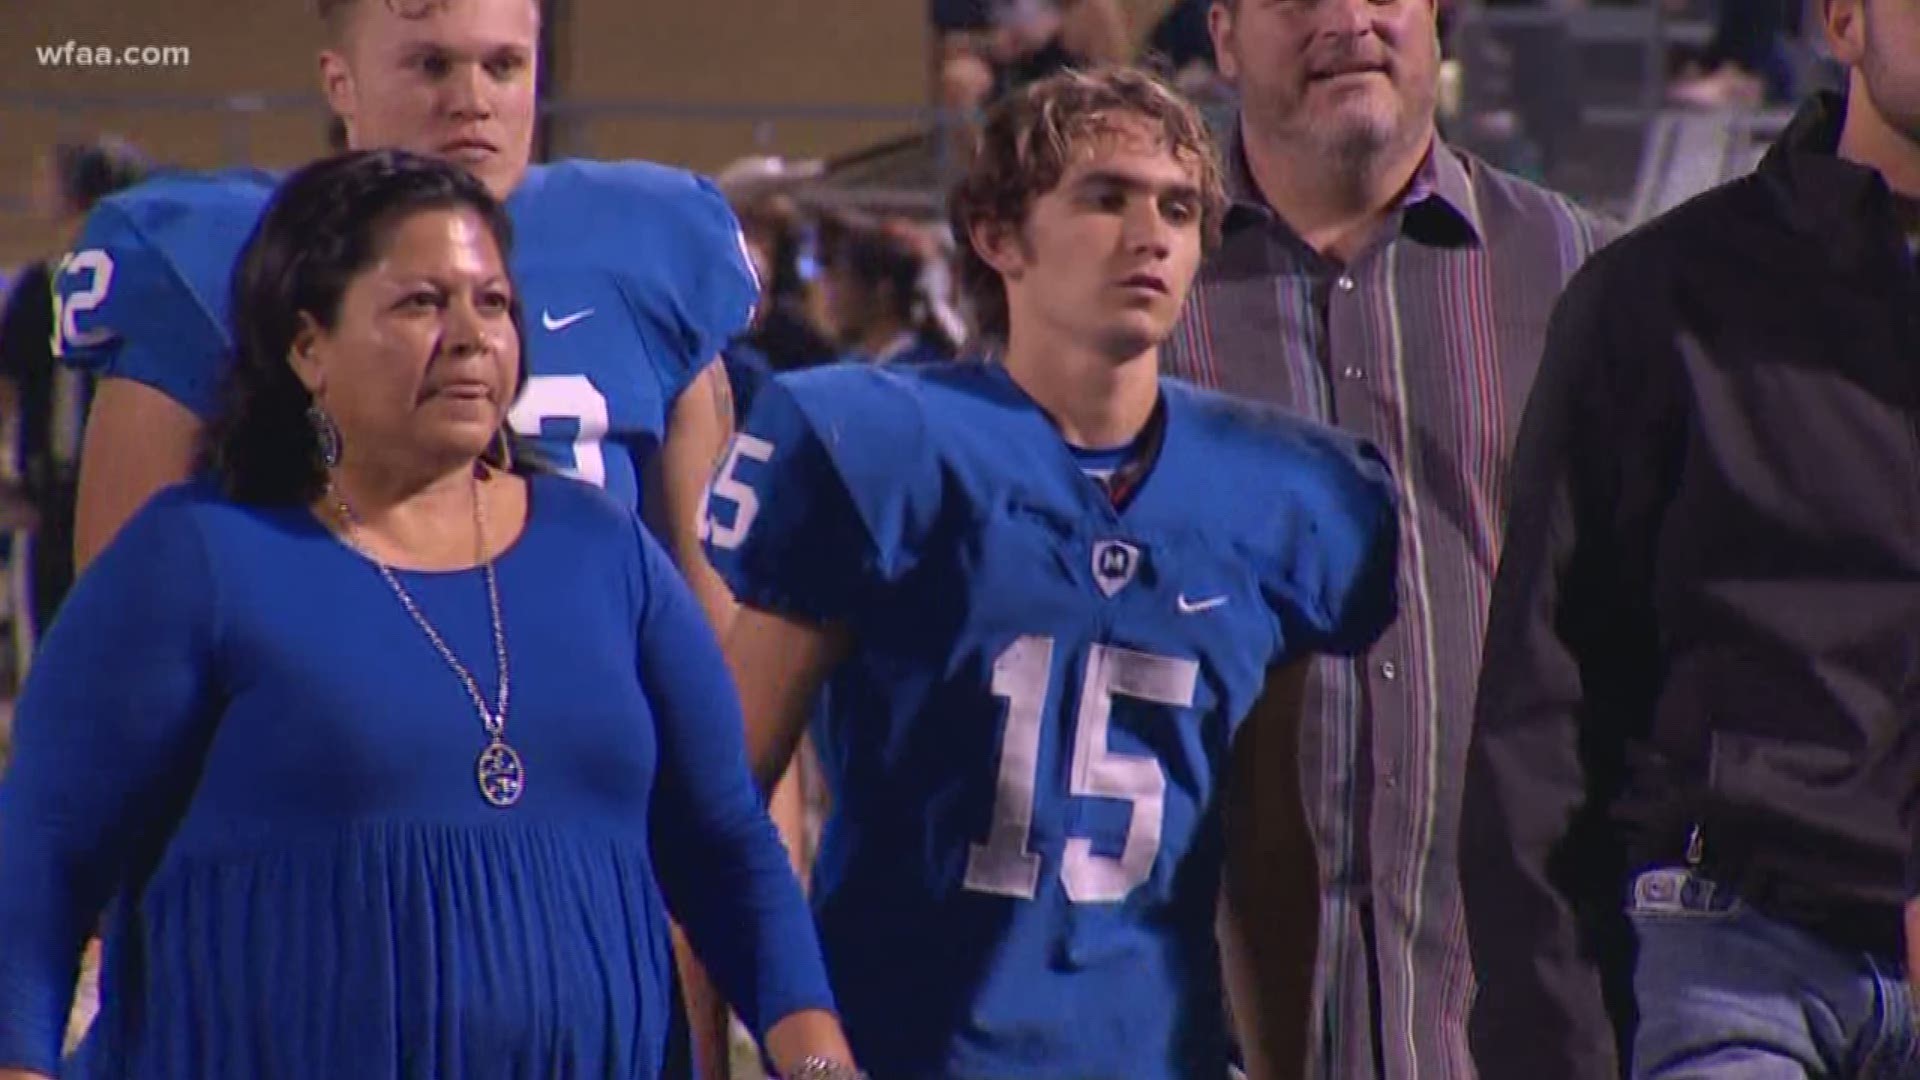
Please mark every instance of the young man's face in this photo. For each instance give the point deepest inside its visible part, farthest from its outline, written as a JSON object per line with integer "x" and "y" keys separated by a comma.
{"x": 1880, "y": 40}
{"x": 1107, "y": 256}
{"x": 451, "y": 78}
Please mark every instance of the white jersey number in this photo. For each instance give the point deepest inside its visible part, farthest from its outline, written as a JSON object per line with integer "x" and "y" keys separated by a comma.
{"x": 1005, "y": 864}
{"x": 567, "y": 397}
{"x": 97, "y": 265}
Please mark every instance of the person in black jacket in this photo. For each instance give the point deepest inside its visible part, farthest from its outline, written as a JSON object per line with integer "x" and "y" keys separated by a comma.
{"x": 1690, "y": 814}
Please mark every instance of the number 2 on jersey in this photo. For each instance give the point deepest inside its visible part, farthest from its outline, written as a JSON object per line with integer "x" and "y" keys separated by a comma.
{"x": 1005, "y": 864}
{"x": 97, "y": 265}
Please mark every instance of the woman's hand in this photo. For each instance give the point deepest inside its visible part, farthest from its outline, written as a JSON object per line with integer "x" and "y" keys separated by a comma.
{"x": 808, "y": 1033}
{"x": 22, "y": 1074}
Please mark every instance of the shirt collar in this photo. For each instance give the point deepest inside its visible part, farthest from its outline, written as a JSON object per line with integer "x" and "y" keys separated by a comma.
{"x": 1847, "y": 205}
{"x": 1441, "y": 195}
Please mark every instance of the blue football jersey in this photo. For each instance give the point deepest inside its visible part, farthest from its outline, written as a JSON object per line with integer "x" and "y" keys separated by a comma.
{"x": 144, "y": 293}
{"x": 632, "y": 277}
{"x": 1027, "y": 744}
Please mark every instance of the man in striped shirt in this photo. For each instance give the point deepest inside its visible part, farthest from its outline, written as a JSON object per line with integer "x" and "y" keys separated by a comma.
{"x": 1374, "y": 278}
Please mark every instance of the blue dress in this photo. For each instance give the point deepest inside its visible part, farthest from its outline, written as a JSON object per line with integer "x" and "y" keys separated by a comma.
{"x": 238, "y": 743}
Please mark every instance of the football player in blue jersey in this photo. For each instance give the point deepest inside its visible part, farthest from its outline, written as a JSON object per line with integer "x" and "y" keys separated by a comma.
{"x": 633, "y": 276}
{"x": 1064, "y": 608}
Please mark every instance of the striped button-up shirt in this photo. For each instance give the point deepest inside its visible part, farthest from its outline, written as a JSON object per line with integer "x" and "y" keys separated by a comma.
{"x": 1426, "y": 345}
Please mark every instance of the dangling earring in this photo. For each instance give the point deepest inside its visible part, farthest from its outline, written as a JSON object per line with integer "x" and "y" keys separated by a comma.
{"x": 326, "y": 434}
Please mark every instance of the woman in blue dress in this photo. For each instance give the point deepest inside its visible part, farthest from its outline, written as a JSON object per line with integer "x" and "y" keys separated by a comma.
{"x": 381, "y": 754}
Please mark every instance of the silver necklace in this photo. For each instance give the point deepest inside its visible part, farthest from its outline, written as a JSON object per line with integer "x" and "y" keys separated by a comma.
{"x": 501, "y": 774}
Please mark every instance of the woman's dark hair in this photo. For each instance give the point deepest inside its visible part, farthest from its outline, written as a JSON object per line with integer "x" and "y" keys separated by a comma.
{"x": 889, "y": 257}
{"x": 325, "y": 224}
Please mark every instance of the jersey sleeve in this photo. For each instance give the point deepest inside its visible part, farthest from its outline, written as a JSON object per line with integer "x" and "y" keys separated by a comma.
{"x": 1338, "y": 540}
{"x": 143, "y": 295}
{"x": 823, "y": 497}
{"x": 684, "y": 265}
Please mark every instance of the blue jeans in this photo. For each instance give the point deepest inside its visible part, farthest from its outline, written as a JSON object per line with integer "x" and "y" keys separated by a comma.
{"x": 1726, "y": 993}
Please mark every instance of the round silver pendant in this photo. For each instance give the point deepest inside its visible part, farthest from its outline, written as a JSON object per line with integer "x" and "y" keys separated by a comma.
{"x": 502, "y": 777}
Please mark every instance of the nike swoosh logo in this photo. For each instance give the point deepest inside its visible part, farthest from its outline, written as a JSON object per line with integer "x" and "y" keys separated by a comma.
{"x": 1194, "y": 607}
{"x": 547, "y": 320}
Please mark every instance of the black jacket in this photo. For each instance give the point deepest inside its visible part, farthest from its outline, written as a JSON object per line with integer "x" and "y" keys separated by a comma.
{"x": 1707, "y": 614}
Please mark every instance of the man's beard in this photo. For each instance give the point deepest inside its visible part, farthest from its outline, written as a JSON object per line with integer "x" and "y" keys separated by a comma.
{"x": 1354, "y": 141}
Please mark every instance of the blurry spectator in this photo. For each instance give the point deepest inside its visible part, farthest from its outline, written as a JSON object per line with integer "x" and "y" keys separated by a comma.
{"x": 1746, "y": 63}
{"x": 747, "y": 365}
{"x": 984, "y": 48}
{"x": 1180, "y": 43}
{"x": 1180, "y": 47}
{"x": 879, "y": 286}
{"x": 1525, "y": 83}
{"x": 47, "y": 399}
{"x": 760, "y": 176}
{"x": 780, "y": 243}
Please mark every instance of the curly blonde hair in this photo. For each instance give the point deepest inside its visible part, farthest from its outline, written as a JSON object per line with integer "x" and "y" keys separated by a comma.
{"x": 1029, "y": 138}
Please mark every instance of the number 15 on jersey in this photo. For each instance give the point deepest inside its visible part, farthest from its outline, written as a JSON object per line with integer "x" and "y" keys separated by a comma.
{"x": 1005, "y": 864}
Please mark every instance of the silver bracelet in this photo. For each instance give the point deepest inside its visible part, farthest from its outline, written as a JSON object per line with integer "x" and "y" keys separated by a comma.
{"x": 820, "y": 1068}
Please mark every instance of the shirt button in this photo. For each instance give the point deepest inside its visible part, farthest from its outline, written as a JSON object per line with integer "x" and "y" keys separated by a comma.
{"x": 1388, "y": 671}
{"x": 1345, "y": 283}
{"x": 1352, "y": 372}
